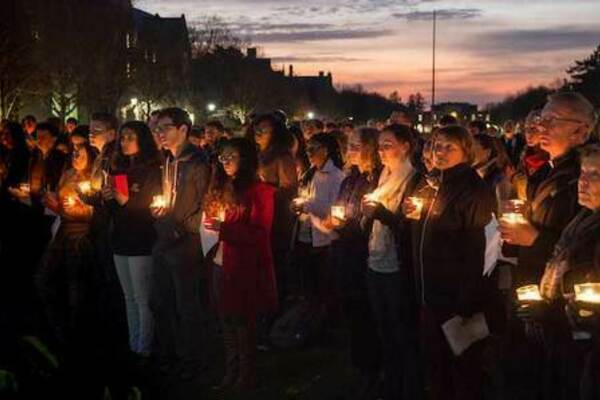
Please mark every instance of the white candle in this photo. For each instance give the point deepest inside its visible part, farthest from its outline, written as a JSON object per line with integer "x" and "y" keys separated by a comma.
{"x": 513, "y": 218}
{"x": 85, "y": 187}
{"x": 158, "y": 202}
{"x": 70, "y": 201}
{"x": 529, "y": 293}
{"x": 371, "y": 197}
{"x": 338, "y": 212}
{"x": 418, "y": 204}
{"x": 588, "y": 293}
{"x": 221, "y": 215}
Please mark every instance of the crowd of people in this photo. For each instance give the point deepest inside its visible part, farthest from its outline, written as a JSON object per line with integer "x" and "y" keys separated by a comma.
{"x": 457, "y": 262}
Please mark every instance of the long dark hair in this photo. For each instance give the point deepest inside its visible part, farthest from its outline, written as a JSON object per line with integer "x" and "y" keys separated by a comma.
{"x": 230, "y": 191}
{"x": 148, "y": 154}
{"x": 281, "y": 139}
{"x": 91, "y": 155}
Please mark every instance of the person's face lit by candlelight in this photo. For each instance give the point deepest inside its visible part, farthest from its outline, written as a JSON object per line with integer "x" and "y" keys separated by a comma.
{"x": 263, "y": 133}
{"x": 317, "y": 153}
{"x": 353, "y": 153}
{"x": 589, "y": 179}
{"x": 80, "y": 159}
{"x": 391, "y": 150}
{"x": 447, "y": 153}
{"x": 170, "y": 136}
{"x": 129, "y": 142}
{"x": 230, "y": 158}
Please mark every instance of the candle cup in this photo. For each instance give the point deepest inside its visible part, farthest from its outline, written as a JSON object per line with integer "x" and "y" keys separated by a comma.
{"x": 158, "y": 202}
{"x": 588, "y": 293}
{"x": 338, "y": 212}
{"x": 221, "y": 215}
{"x": 418, "y": 204}
{"x": 529, "y": 293}
{"x": 70, "y": 201}
{"x": 513, "y": 218}
{"x": 85, "y": 187}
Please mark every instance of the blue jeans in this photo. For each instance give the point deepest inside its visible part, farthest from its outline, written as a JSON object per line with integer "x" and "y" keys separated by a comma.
{"x": 136, "y": 277}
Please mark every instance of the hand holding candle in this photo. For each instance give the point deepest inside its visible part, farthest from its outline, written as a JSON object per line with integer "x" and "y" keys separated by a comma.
{"x": 587, "y": 293}
{"x": 413, "y": 208}
{"x": 529, "y": 293}
{"x": 85, "y": 187}
{"x": 158, "y": 207}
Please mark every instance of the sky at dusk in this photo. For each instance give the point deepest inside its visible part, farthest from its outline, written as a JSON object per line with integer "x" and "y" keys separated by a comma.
{"x": 487, "y": 49}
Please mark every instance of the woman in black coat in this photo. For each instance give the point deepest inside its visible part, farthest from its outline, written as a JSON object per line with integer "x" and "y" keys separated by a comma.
{"x": 449, "y": 248}
{"x": 350, "y": 252}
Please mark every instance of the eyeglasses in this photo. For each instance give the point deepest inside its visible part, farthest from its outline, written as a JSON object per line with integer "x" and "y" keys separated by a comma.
{"x": 128, "y": 138}
{"x": 162, "y": 128}
{"x": 227, "y": 158}
{"x": 551, "y": 121}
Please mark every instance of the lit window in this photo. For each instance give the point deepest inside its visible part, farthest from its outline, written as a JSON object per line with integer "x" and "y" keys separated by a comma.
{"x": 128, "y": 70}
{"x": 154, "y": 58}
{"x": 128, "y": 40}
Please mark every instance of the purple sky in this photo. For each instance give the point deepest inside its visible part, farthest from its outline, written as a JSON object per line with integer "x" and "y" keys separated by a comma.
{"x": 487, "y": 49}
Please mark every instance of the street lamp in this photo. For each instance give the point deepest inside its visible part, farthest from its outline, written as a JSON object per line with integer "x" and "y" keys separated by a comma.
{"x": 310, "y": 115}
{"x": 134, "y": 101}
{"x": 211, "y": 107}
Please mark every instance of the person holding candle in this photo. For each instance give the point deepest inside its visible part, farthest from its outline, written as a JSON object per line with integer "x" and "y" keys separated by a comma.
{"x": 321, "y": 184}
{"x": 349, "y": 252}
{"x": 132, "y": 234}
{"x": 177, "y": 252}
{"x": 277, "y": 168}
{"x": 70, "y": 254}
{"x": 449, "y": 250}
{"x": 388, "y": 261}
{"x": 575, "y": 260}
{"x": 533, "y": 166}
{"x": 243, "y": 278}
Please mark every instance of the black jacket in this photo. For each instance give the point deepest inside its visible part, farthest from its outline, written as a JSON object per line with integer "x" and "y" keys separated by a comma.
{"x": 449, "y": 243}
{"x": 133, "y": 232}
{"x": 514, "y": 148}
{"x": 186, "y": 214}
{"x": 350, "y": 249}
{"x": 551, "y": 207}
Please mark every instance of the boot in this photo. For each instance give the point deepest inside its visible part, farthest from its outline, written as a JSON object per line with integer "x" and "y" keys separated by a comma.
{"x": 247, "y": 361}
{"x": 230, "y": 339}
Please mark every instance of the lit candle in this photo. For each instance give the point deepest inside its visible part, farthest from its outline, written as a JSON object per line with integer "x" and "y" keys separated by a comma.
{"x": 158, "y": 202}
{"x": 588, "y": 293}
{"x": 85, "y": 187}
{"x": 303, "y": 195}
{"x": 338, "y": 212}
{"x": 70, "y": 201}
{"x": 513, "y": 218}
{"x": 371, "y": 197}
{"x": 529, "y": 293}
{"x": 221, "y": 215}
{"x": 418, "y": 204}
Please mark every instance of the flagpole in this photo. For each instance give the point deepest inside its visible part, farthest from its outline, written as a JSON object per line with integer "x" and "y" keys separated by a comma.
{"x": 433, "y": 66}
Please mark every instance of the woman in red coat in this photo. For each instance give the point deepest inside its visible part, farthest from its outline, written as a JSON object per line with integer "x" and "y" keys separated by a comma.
{"x": 240, "y": 208}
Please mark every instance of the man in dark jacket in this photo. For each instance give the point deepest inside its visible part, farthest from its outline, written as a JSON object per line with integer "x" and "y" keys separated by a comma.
{"x": 566, "y": 122}
{"x": 178, "y": 250}
{"x": 513, "y": 142}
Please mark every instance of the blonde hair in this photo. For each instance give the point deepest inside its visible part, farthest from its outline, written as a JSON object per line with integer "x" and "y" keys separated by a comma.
{"x": 459, "y": 136}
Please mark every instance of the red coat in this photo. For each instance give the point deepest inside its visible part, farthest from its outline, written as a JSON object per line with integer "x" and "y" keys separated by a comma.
{"x": 248, "y": 283}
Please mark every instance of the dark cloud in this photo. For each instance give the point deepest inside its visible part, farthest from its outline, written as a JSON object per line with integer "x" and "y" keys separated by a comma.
{"x": 319, "y": 35}
{"x": 450, "y": 13}
{"x": 536, "y": 40}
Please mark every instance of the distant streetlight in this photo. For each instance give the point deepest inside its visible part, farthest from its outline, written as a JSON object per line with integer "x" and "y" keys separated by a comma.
{"x": 310, "y": 115}
{"x": 211, "y": 107}
{"x": 192, "y": 118}
{"x": 134, "y": 101}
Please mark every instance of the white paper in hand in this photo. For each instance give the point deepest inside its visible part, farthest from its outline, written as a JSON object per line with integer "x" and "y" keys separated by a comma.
{"x": 209, "y": 238}
{"x": 461, "y": 333}
{"x": 493, "y": 246}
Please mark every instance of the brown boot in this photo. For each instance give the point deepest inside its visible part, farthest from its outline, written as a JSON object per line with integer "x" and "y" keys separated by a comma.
{"x": 247, "y": 362}
{"x": 230, "y": 339}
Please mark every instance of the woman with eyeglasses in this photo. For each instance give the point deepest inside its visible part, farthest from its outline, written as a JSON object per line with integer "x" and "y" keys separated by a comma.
{"x": 319, "y": 189}
{"x": 449, "y": 250}
{"x": 388, "y": 262}
{"x": 136, "y": 178}
{"x": 69, "y": 258}
{"x": 349, "y": 251}
{"x": 277, "y": 168}
{"x": 242, "y": 277}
